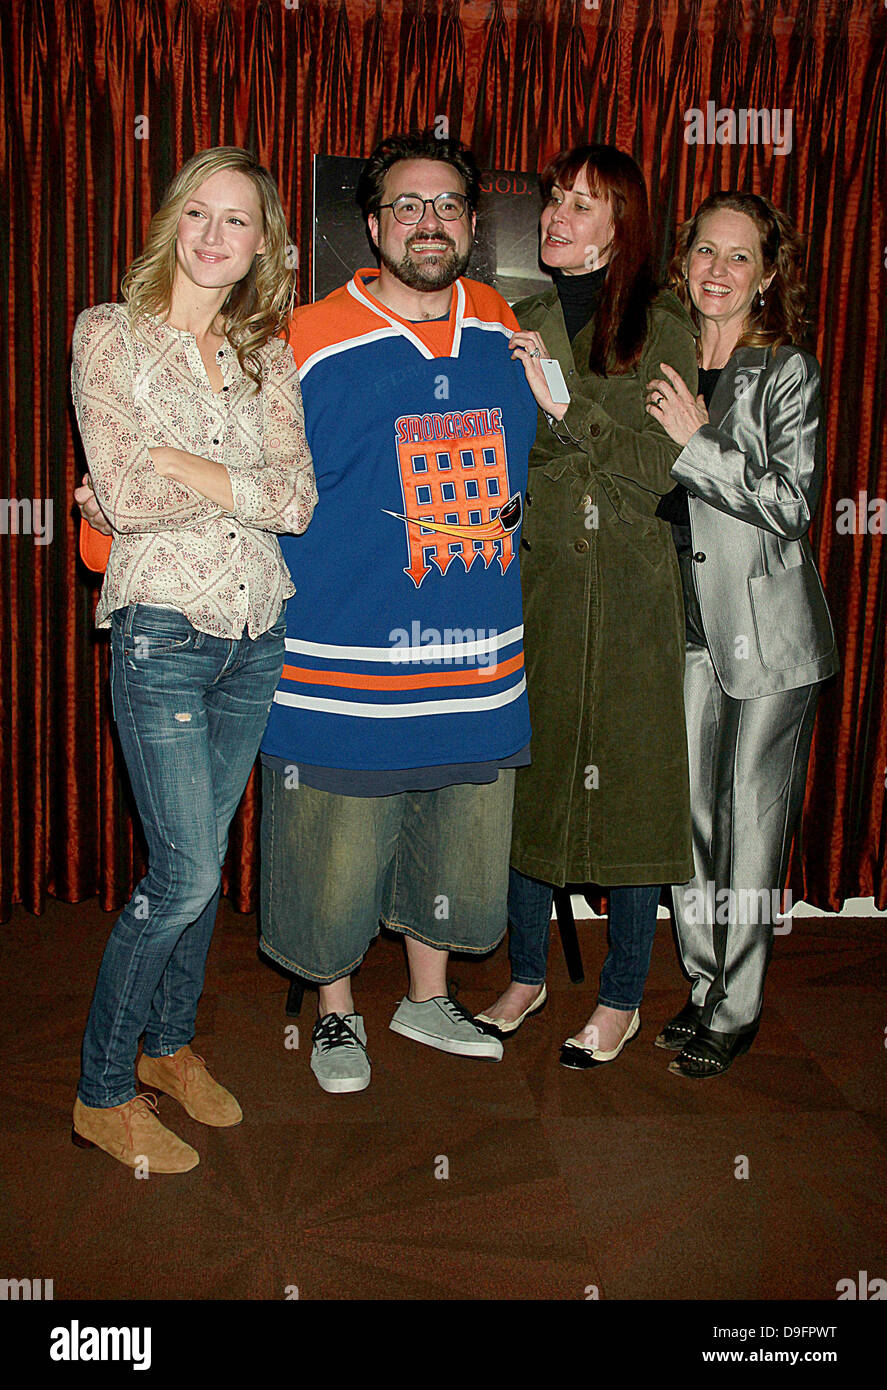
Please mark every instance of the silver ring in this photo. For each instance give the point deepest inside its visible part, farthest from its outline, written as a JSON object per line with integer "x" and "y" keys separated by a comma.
{"x": 659, "y": 399}
{"x": 535, "y": 353}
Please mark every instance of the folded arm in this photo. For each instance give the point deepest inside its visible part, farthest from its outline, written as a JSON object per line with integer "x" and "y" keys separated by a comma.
{"x": 132, "y": 493}
{"x": 774, "y": 483}
{"x": 279, "y": 494}
{"x": 644, "y": 455}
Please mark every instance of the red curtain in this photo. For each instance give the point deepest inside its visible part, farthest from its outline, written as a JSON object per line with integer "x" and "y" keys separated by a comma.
{"x": 103, "y": 99}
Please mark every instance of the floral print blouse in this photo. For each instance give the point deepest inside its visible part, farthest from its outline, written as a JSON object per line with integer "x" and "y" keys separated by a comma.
{"x": 139, "y": 389}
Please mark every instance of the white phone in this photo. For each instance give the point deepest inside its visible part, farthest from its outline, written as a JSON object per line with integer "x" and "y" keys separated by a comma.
{"x": 554, "y": 380}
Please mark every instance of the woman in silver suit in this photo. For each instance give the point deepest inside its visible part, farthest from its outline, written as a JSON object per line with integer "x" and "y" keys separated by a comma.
{"x": 759, "y": 636}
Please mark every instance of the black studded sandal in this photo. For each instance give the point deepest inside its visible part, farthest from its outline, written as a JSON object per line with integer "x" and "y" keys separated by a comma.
{"x": 710, "y": 1054}
{"x": 681, "y": 1028}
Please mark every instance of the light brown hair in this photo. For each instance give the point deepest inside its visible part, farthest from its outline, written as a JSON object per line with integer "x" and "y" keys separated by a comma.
{"x": 781, "y": 318}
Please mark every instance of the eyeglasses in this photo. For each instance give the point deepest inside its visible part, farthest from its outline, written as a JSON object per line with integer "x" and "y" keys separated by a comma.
{"x": 410, "y": 209}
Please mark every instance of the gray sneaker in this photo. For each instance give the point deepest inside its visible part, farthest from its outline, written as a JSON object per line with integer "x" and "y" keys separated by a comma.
{"x": 338, "y": 1054}
{"x": 444, "y": 1024}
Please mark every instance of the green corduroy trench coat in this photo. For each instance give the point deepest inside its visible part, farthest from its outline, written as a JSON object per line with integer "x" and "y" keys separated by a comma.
{"x": 606, "y": 797}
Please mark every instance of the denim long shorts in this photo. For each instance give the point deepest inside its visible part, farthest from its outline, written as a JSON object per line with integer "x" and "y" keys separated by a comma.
{"x": 429, "y": 864}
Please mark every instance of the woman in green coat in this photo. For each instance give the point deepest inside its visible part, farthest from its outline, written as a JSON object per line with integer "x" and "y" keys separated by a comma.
{"x": 606, "y": 798}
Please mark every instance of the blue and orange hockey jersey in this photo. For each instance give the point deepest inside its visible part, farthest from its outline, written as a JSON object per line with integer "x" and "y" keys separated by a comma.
{"x": 405, "y": 637}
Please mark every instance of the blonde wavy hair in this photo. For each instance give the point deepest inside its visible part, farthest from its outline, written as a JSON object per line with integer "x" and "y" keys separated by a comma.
{"x": 781, "y": 319}
{"x": 258, "y": 307}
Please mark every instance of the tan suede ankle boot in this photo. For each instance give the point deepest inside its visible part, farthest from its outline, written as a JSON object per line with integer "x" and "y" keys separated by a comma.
{"x": 133, "y": 1134}
{"x": 184, "y": 1076}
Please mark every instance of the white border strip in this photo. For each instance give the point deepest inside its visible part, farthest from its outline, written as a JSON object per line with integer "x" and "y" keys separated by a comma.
{"x": 335, "y": 348}
{"x": 489, "y": 326}
{"x": 402, "y": 656}
{"x": 414, "y": 710}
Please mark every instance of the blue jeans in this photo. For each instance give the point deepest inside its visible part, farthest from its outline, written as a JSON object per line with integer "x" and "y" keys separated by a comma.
{"x": 190, "y": 710}
{"x": 631, "y": 929}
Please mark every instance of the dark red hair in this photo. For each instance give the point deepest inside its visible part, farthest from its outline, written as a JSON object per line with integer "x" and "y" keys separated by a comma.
{"x": 620, "y": 324}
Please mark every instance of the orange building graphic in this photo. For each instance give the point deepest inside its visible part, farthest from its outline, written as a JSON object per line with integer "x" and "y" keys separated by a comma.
{"x": 454, "y": 479}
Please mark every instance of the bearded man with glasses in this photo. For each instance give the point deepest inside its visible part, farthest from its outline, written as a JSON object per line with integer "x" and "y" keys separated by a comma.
{"x": 402, "y": 713}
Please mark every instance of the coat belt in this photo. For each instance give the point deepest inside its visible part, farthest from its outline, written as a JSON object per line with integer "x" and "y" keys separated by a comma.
{"x": 581, "y": 481}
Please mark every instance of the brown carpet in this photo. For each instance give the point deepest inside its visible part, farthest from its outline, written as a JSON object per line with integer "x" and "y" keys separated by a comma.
{"x": 621, "y": 1180}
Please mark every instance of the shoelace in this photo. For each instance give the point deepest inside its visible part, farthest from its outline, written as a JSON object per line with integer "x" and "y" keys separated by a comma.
{"x": 333, "y": 1031}
{"x": 187, "y": 1064}
{"x": 460, "y": 1014}
{"x": 129, "y": 1113}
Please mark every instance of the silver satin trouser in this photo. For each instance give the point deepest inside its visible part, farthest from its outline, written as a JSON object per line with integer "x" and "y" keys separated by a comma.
{"x": 748, "y": 769}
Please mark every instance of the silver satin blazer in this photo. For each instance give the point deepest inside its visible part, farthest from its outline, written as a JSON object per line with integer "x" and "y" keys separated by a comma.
{"x": 754, "y": 475}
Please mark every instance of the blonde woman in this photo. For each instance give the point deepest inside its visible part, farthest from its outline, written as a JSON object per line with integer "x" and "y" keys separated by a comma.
{"x": 190, "y": 412}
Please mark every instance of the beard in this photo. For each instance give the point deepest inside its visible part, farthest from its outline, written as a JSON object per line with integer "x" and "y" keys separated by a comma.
{"x": 429, "y": 273}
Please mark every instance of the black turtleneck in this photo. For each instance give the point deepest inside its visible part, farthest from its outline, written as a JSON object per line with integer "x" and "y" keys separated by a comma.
{"x": 579, "y": 295}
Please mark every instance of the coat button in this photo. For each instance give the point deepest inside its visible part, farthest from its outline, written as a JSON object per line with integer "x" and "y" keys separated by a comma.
{"x": 594, "y": 431}
{"x": 699, "y": 556}
{"x": 529, "y": 499}
{"x": 525, "y": 544}
{"x": 580, "y": 546}
{"x": 232, "y": 535}
{"x": 215, "y": 441}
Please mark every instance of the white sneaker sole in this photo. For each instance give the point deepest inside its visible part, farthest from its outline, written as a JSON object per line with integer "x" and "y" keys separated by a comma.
{"x": 461, "y": 1049}
{"x": 338, "y": 1085}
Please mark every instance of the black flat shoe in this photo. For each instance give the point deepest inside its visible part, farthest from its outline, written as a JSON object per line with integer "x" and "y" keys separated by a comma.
{"x": 710, "y": 1054}
{"x": 681, "y": 1028}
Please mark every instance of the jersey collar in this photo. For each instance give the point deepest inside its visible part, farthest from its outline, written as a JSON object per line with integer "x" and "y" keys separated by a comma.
{"x": 457, "y": 314}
